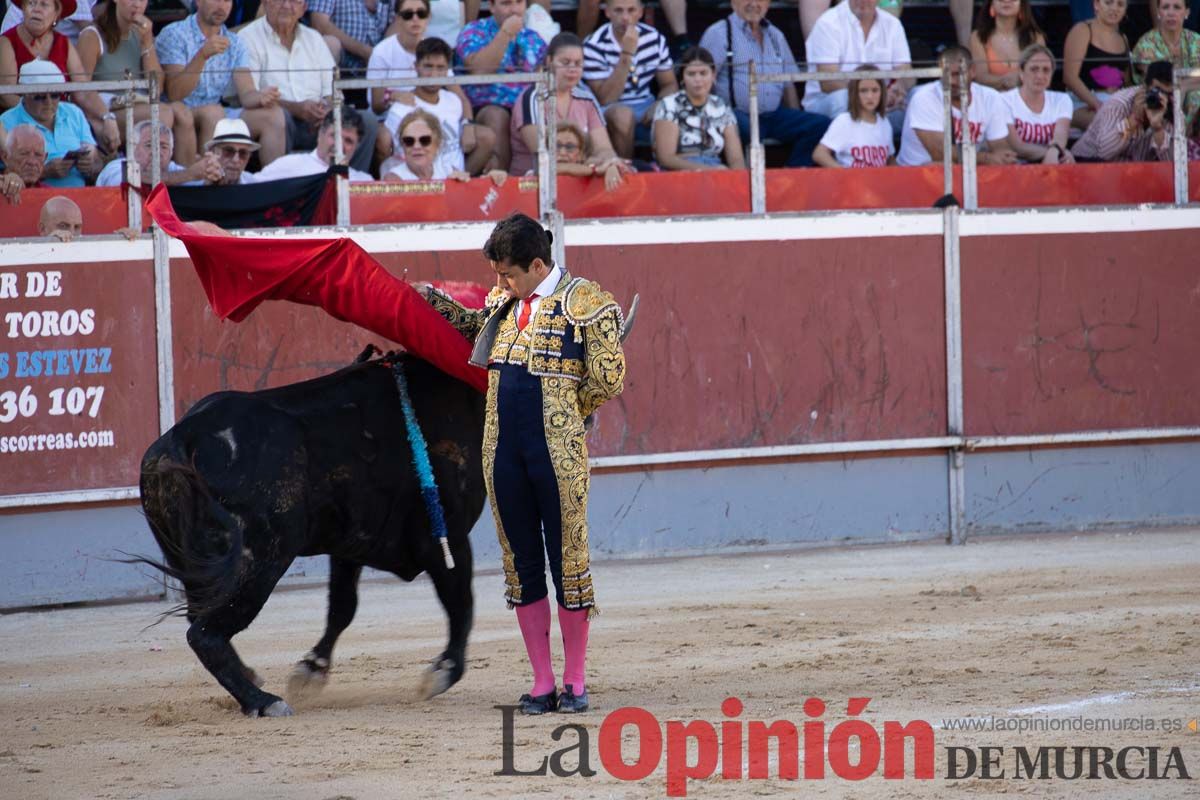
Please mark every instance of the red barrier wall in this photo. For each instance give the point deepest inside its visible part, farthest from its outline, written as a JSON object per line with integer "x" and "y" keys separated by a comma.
{"x": 738, "y": 344}
{"x": 1080, "y": 332}
{"x": 803, "y": 342}
{"x": 695, "y": 193}
{"x": 103, "y": 210}
{"x": 999, "y": 187}
{"x": 55, "y": 389}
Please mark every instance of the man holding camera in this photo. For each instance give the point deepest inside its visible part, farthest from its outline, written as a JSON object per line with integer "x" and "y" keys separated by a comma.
{"x": 70, "y": 147}
{"x": 1135, "y": 123}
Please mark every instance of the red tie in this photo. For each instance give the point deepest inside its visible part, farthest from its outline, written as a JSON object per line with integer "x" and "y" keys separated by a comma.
{"x": 526, "y": 307}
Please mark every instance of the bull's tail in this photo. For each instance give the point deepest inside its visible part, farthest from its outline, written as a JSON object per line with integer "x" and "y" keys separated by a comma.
{"x": 201, "y": 542}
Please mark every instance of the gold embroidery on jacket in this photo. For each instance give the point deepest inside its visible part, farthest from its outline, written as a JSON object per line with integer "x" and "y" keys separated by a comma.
{"x": 467, "y": 321}
{"x": 566, "y": 442}
{"x": 605, "y": 363}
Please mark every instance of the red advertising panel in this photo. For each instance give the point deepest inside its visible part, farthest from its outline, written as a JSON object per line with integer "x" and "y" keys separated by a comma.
{"x": 440, "y": 201}
{"x": 1080, "y": 332}
{"x": 692, "y": 193}
{"x": 78, "y": 376}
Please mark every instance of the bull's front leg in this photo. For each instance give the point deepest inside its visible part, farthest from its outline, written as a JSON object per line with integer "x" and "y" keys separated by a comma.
{"x": 312, "y": 671}
{"x": 454, "y": 590}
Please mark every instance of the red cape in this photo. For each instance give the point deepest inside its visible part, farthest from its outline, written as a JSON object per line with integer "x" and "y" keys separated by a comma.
{"x": 335, "y": 274}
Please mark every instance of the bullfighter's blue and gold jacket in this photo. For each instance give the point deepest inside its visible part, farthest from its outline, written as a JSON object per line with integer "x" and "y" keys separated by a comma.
{"x": 573, "y": 344}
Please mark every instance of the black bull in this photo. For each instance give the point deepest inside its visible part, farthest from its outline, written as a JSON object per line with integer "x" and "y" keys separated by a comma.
{"x": 248, "y": 481}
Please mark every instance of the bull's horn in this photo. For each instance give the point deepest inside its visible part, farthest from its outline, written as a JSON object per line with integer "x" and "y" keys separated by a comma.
{"x": 630, "y": 316}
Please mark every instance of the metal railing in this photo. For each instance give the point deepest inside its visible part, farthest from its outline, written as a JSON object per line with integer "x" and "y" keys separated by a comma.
{"x": 127, "y": 86}
{"x": 547, "y": 172}
{"x": 758, "y": 181}
{"x": 1179, "y": 133}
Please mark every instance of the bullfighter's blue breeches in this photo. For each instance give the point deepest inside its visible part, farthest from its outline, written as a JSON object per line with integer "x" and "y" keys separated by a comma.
{"x": 525, "y": 488}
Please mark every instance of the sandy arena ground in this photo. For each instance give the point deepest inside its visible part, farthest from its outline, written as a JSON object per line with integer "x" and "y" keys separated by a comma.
{"x": 1098, "y": 626}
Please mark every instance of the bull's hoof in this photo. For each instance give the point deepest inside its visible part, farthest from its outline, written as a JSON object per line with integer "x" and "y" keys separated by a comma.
{"x": 308, "y": 677}
{"x": 438, "y": 678}
{"x": 276, "y": 709}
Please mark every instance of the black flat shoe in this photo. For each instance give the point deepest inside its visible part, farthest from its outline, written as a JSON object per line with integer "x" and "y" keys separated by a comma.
{"x": 570, "y": 703}
{"x": 542, "y": 704}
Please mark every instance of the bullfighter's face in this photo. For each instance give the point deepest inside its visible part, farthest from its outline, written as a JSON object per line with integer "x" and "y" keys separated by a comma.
{"x": 519, "y": 281}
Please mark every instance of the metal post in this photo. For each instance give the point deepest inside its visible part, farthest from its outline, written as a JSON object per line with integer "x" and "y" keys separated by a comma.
{"x": 947, "y": 133}
{"x": 547, "y": 150}
{"x": 1179, "y": 154}
{"x": 133, "y": 200}
{"x": 758, "y": 162}
{"x": 155, "y": 161}
{"x": 970, "y": 187}
{"x": 954, "y": 383}
{"x": 339, "y": 155}
{"x": 558, "y": 248}
{"x": 162, "y": 289}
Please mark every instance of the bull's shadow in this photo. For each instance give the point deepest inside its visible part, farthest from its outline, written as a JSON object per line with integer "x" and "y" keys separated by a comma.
{"x": 246, "y": 482}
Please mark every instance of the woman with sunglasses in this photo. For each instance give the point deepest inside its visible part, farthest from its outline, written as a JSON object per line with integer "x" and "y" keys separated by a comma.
{"x": 573, "y": 102}
{"x": 420, "y": 135}
{"x": 34, "y": 38}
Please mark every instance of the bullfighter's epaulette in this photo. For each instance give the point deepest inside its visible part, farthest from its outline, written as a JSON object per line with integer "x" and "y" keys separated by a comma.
{"x": 584, "y": 302}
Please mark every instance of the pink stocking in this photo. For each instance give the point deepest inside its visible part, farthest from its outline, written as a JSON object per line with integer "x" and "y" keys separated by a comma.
{"x": 534, "y": 620}
{"x": 574, "y": 627}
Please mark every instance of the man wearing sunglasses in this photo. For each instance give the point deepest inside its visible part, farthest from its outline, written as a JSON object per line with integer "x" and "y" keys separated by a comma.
{"x": 71, "y": 150}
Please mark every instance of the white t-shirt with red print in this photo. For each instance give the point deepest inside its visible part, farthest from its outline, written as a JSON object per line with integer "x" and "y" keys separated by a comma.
{"x": 1035, "y": 128}
{"x": 987, "y": 115}
{"x": 860, "y": 144}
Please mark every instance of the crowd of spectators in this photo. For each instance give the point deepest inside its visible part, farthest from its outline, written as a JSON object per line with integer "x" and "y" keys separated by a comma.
{"x": 254, "y": 103}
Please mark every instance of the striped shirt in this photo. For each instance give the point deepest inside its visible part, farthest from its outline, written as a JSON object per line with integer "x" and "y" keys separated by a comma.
{"x": 602, "y": 51}
{"x": 773, "y": 55}
{"x": 1108, "y": 139}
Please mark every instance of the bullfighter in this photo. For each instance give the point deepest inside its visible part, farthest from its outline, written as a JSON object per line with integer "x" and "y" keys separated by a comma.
{"x": 552, "y": 346}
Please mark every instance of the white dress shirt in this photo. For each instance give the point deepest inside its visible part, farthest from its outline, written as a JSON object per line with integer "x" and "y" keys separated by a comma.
{"x": 295, "y": 165}
{"x": 838, "y": 39}
{"x": 547, "y": 286}
{"x": 303, "y": 73}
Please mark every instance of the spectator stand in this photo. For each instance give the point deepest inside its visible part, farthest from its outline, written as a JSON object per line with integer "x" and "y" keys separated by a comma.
{"x": 758, "y": 165}
{"x": 547, "y": 174}
{"x": 128, "y": 87}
